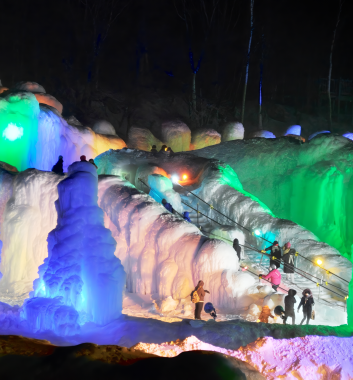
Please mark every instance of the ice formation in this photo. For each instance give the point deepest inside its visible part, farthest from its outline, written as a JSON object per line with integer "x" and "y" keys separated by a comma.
{"x": 33, "y": 87}
{"x": 263, "y": 133}
{"x": 142, "y": 138}
{"x": 50, "y": 101}
{"x": 204, "y": 137}
{"x": 316, "y": 134}
{"x": 293, "y": 130}
{"x": 19, "y": 129}
{"x": 81, "y": 279}
{"x": 233, "y": 131}
{"x": 177, "y": 135}
{"x": 104, "y": 127}
{"x": 309, "y": 183}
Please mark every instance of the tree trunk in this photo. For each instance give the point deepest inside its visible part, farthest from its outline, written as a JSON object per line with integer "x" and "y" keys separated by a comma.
{"x": 193, "y": 92}
{"x": 248, "y": 60}
{"x": 330, "y": 69}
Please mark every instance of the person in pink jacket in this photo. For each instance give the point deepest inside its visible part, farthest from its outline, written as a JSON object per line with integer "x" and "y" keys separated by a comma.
{"x": 274, "y": 277}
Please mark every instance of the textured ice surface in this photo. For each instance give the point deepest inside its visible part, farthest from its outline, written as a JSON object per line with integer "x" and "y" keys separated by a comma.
{"x": 104, "y": 127}
{"x": 293, "y": 130}
{"x": 81, "y": 276}
{"x": 310, "y": 184}
{"x": 177, "y": 135}
{"x": 204, "y": 137}
{"x": 309, "y": 358}
{"x": 142, "y": 138}
{"x": 233, "y": 131}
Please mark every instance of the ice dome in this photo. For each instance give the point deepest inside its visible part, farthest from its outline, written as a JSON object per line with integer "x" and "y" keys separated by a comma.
{"x": 293, "y": 130}
{"x": 233, "y": 131}
{"x": 265, "y": 134}
{"x": 29, "y": 86}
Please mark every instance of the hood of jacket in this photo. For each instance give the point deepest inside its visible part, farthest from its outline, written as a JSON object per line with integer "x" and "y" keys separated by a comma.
{"x": 292, "y": 292}
{"x": 307, "y": 291}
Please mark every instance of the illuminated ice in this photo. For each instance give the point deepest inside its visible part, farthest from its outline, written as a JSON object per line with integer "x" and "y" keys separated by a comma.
{"x": 81, "y": 280}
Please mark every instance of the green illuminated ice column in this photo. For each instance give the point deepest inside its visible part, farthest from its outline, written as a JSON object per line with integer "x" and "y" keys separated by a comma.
{"x": 19, "y": 129}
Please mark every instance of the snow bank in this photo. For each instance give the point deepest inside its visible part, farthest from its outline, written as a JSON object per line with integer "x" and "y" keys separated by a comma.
{"x": 233, "y": 131}
{"x": 309, "y": 358}
{"x": 104, "y": 127}
{"x": 204, "y": 137}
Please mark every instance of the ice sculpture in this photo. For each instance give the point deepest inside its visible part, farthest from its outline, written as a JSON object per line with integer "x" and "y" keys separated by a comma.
{"x": 293, "y": 130}
{"x": 18, "y": 129}
{"x": 81, "y": 280}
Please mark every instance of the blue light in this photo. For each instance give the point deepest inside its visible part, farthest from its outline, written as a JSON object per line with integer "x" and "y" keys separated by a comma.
{"x": 12, "y": 132}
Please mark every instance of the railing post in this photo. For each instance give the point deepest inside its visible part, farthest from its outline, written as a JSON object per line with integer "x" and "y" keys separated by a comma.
{"x": 198, "y": 215}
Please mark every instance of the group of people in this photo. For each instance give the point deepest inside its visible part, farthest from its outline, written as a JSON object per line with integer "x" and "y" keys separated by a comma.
{"x": 164, "y": 148}
{"x": 58, "y": 167}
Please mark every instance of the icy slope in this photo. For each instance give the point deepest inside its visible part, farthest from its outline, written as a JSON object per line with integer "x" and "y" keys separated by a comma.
{"x": 310, "y": 183}
{"x": 219, "y": 185}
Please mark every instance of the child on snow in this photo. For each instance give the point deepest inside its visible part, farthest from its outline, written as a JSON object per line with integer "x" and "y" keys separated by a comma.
{"x": 265, "y": 314}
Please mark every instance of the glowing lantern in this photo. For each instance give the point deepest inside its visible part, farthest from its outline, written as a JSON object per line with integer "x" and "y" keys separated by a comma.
{"x": 319, "y": 262}
{"x": 185, "y": 177}
{"x": 174, "y": 178}
{"x": 12, "y": 132}
{"x": 257, "y": 232}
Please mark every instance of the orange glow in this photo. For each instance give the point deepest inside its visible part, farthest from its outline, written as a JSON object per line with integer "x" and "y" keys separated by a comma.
{"x": 165, "y": 149}
{"x": 185, "y": 177}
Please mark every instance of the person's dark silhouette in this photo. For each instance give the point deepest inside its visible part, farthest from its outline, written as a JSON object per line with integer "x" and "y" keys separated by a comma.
{"x": 58, "y": 167}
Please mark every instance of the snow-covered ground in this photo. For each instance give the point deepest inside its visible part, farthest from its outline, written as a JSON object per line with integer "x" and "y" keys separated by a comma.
{"x": 309, "y": 358}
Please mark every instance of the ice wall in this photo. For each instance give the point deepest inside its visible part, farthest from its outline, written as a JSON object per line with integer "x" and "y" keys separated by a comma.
{"x": 19, "y": 129}
{"x": 81, "y": 274}
{"x": 57, "y": 137}
{"x": 27, "y": 215}
{"x": 310, "y": 184}
{"x": 161, "y": 253}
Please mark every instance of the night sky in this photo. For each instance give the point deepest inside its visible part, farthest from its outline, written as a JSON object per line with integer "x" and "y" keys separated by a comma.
{"x": 52, "y": 42}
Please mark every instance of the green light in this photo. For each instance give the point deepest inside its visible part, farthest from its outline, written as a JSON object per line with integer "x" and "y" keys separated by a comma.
{"x": 12, "y": 132}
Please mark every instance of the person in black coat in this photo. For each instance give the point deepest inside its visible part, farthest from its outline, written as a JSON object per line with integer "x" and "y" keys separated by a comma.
{"x": 236, "y": 247}
{"x": 289, "y": 302}
{"x": 288, "y": 261}
{"x": 275, "y": 252}
{"x": 58, "y": 167}
{"x": 307, "y": 302}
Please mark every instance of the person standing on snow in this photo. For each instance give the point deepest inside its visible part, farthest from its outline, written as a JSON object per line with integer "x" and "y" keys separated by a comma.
{"x": 58, "y": 167}
{"x": 307, "y": 302}
{"x": 199, "y": 298}
{"x": 289, "y": 302}
{"x": 275, "y": 254}
{"x": 274, "y": 276}
{"x": 288, "y": 261}
{"x": 237, "y": 248}
{"x": 154, "y": 149}
{"x": 168, "y": 206}
{"x": 83, "y": 158}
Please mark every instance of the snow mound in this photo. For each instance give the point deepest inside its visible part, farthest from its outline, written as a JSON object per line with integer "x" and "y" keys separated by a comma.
{"x": 294, "y": 130}
{"x": 264, "y": 134}
{"x": 50, "y": 101}
{"x": 233, "y": 131}
{"x": 143, "y": 139}
{"x": 177, "y": 135}
{"x": 204, "y": 137}
{"x": 103, "y": 127}
{"x": 348, "y": 135}
{"x": 29, "y": 86}
{"x": 309, "y": 358}
{"x": 316, "y": 134}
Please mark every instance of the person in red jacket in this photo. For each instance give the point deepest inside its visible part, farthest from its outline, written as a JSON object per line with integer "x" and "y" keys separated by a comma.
{"x": 274, "y": 276}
